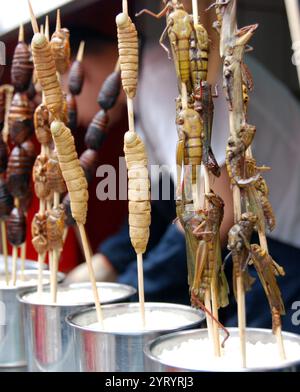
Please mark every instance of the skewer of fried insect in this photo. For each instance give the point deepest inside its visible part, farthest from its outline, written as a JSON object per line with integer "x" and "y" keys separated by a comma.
{"x": 293, "y": 14}
{"x": 210, "y": 299}
{"x": 135, "y": 154}
{"x": 65, "y": 145}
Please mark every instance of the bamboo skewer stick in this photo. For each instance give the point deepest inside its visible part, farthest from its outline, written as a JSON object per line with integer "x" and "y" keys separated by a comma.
{"x": 91, "y": 272}
{"x": 293, "y": 14}
{"x": 211, "y": 294}
{"x": 47, "y": 29}
{"x": 14, "y": 264}
{"x": 55, "y": 258}
{"x": 131, "y": 125}
{"x": 5, "y": 250}
{"x": 23, "y": 257}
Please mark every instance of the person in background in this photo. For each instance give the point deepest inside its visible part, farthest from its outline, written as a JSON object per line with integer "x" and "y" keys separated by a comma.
{"x": 276, "y": 114}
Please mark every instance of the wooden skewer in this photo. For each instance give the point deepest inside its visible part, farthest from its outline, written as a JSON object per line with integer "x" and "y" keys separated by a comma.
{"x": 118, "y": 65}
{"x": 125, "y": 6}
{"x": 34, "y": 23}
{"x": 141, "y": 288}
{"x": 293, "y": 13}
{"x": 80, "y": 53}
{"x": 21, "y": 33}
{"x": 47, "y": 29}
{"x": 14, "y": 264}
{"x": 23, "y": 257}
{"x": 88, "y": 259}
{"x": 58, "y": 20}
{"x": 195, "y": 12}
{"x": 55, "y": 258}
{"x": 5, "y": 251}
{"x": 42, "y": 29}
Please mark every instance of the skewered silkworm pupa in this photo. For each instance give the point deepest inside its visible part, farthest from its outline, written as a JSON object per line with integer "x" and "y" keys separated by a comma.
{"x": 72, "y": 111}
{"x": 55, "y": 227}
{"x": 41, "y": 125}
{"x": 20, "y": 118}
{"x": 72, "y": 172}
{"x": 128, "y": 53}
{"x": 88, "y": 161}
{"x": 76, "y": 78}
{"x": 138, "y": 191}
{"x": 97, "y": 131}
{"x": 6, "y": 200}
{"x": 45, "y": 69}
{"x": 19, "y": 171}
{"x": 22, "y": 67}
{"x": 16, "y": 227}
{"x": 39, "y": 233}
{"x": 110, "y": 91}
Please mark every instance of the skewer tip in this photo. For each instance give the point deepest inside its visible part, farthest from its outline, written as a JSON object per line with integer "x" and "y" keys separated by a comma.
{"x": 42, "y": 29}
{"x": 47, "y": 30}
{"x": 21, "y": 33}
{"x": 58, "y": 20}
{"x": 34, "y": 24}
{"x": 80, "y": 51}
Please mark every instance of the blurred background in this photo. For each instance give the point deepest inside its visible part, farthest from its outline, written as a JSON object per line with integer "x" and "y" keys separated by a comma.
{"x": 94, "y": 21}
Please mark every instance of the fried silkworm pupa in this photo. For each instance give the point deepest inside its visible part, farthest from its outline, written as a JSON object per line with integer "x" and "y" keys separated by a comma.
{"x": 39, "y": 233}
{"x": 60, "y": 46}
{"x": 55, "y": 227}
{"x": 6, "y": 200}
{"x": 42, "y": 125}
{"x": 54, "y": 176}
{"x": 138, "y": 191}
{"x": 3, "y": 155}
{"x": 22, "y": 67}
{"x": 97, "y": 131}
{"x": 88, "y": 161}
{"x": 72, "y": 172}
{"x": 45, "y": 70}
{"x": 2, "y": 108}
{"x": 31, "y": 91}
{"x": 110, "y": 91}
{"x": 16, "y": 227}
{"x": 128, "y": 53}
{"x": 20, "y": 118}
{"x": 76, "y": 78}
{"x": 26, "y": 200}
{"x": 40, "y": 178}
{"x": 19, "y": 171}
{"x": 69, "y": 220}
{"x": 72, "y": 112}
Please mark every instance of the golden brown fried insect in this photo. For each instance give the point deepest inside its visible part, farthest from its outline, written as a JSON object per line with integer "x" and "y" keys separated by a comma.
{"x": 199, "y": 50}
{"x": 110, "y": 91}
{"x": 20, "y": 119}
{"x": 138, "y": 191}
{"x": 45, "y": 69}
{"x": 97, "y": 130}
{"x": 16, "y": 227}
{"x": 39, "y": 233}
{"x": 60, "y": 46}
{"x": 40, "y": 179}
{"x": 128, "y": 53}
{"x": 42, "y": 125}
{"x": 54, "y": 175}
{"x": 72, "y": 172}
{"x": 180, "y": 31}
{"x": 55, "y": 227}
{"x": 192, "y": 129}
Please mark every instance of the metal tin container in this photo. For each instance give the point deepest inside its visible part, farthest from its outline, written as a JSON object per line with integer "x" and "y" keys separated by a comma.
{"x": 49, "y": 339}
{"x": 104, "y": 351}
{"x": 29, "y": 264}
{"x": 154, "y": 348}
{"x": 12, "y": 352}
